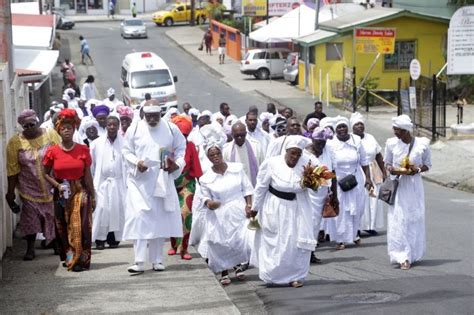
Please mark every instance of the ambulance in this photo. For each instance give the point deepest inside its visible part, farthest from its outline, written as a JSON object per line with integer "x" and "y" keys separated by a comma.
{"x": 145, "y": 72}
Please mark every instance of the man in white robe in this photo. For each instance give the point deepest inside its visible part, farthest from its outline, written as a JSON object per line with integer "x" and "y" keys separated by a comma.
{"x": 245, "y": 151}
{"x": 154, "y": 151}
{"x": 111, "y": 101}
{"x": 255, "y": 132}
{"x": 108, "y": 169}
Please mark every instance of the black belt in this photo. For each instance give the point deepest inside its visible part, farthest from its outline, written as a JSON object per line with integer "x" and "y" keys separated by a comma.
{"x": 282, "y": 194}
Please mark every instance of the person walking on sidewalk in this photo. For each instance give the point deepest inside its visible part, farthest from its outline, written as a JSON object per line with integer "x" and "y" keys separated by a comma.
{"x": 222, "y": 48}
{"x": 111, "y": 11}
{"x": 88, "y": 88}
{"x": 85, "y": 51}
{"x": 208, "y": 42}
{"x": 67, "y": 169}
{"x": 25, "y": 152}
{"x": 154, "y": 150}
{"x": 134, "y": 10}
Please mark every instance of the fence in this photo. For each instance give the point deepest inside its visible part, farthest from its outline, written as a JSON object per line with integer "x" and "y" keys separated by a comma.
{"x": 232, "y": 36}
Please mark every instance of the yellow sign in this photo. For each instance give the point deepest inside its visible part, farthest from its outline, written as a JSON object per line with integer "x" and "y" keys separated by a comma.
{"x": 254, "y": 7}
{"x": 375, "y": 40}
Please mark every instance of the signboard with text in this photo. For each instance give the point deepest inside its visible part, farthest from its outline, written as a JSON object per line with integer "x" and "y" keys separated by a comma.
{"x": 371, "y": 40}
{"x": 254, "y": 7}
{"x": 461, "y": 42}
{"x": 282, "y": 7}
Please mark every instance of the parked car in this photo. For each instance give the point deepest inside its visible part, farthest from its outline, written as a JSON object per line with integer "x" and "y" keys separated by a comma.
{"x": 264, "y": 63}
{"x": 62, "y": 22}
{"x": 133, "y": 28}
{"x": 179, "y": 12}
{"x": 290, "y": 71}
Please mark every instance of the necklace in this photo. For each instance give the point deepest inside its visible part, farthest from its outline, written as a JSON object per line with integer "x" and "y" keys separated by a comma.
{"x": 67, "y": 150}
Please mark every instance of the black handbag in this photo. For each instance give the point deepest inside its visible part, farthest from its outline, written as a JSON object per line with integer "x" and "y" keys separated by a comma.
{"x": 347, "y": 182}
{"x": 388, "y": 189}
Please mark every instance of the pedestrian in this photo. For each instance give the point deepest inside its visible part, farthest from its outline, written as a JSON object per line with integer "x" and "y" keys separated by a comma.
{"x": 350, "y": 159}
{"x": 197, "y": 137}
{"x": 111, "y": 11}
{"x": 406, "y": 237}
{"x": 126, "y": 118}
{"x": 277, "y": 145}
{"x": 186, "y": 186}
{"x": 227, "y": 194}
{"x": 67, "y": 169}
{"x": 100, "y": 113}
{"x": 271, "y": 108}
{"x": 318, "y": 113}
{"x": 208, "y": 42}
{"x": 246, "y": 151}
{"x": 69, "y": 72}
{"x": 320, "y": 155}
{"x": 285, "y": 240}
{"x": 25, "y": 151}
{"x": 85, "y": 50}
{"x": 88, "y": 88}
{"x": 186, "y": 107}
{"x": 255, "y": 132}
{"x": 108, "y": 171}
{"x": 134, "y": 10}
{"x": 89, "y": 130}
{"x": 222, "y": 47}
{"x": 287, "y": 113}
{"x": 111, "y": 100}
{"x": 311, "y": 125}
{"x": 372, "y": 217}
{"x": 265, "y": 118}
{"x": 155, "y": 153}
{"x": 460, "y": 104}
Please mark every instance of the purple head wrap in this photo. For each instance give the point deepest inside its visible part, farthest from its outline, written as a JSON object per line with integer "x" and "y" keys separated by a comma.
{"x": 322, "y": 133}
{"x": 26, "y": 115}
{"x": 313, "y": 123}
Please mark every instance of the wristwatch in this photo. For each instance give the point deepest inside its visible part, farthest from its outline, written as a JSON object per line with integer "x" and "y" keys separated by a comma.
{"x": 418, "y": 170}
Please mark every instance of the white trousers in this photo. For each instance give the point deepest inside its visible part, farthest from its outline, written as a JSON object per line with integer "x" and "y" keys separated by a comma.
{"x": 155, "y": 250}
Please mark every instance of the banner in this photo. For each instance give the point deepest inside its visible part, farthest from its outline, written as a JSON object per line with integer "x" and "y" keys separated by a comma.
{"x": 282, "y": 7}
{"x": 370, "y": 40}
{"x": 254, "y": 7}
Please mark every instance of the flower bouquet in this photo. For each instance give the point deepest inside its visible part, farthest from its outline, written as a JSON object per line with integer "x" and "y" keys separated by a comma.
{"x": 405, "y": 167}
{"x": 315, "y": 176}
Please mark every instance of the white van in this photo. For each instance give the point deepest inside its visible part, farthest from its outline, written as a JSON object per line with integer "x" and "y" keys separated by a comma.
{"x": 145, "y": 72}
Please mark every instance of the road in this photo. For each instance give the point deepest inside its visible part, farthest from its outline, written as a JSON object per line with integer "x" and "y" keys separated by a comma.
{"x": 356, "y": 280}
{"x": 196, "y": 83}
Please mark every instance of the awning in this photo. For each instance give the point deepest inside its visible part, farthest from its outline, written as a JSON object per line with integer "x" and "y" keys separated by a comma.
{"x": 33, "y": 31}
{"x": 315, "y": 38}
{"x": 38, "y": 62}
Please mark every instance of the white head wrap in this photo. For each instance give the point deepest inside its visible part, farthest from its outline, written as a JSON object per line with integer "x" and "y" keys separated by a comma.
{"x": 194, "y": 111}
{"x": 216, "y": 116}
{"x": 403, "y": 122}
{"x": 341, "y": 120}
{"x": 229, "y": 122}
{"x": 214, "y": 136}
{"x": 151, "y": 109}
{"x": 357, "y": 118}
{"x": 46, "y": 116}
{"x": 205, "y": 113}
{"x": 110, "y": 92}
{"x": 326, "y": 122}
{"x": 66, "y": 94}
{"x": 295, "y": 141}
{"x": 266, "y": 116}
{"x": 86, "y": 123}
{"x": 170, "y": 112}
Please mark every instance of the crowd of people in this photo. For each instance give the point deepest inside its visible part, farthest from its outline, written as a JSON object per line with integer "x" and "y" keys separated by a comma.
{"x": 98, "y": 171}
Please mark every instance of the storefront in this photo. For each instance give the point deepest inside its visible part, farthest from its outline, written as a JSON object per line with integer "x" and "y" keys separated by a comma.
{"x": 71, "y": 7}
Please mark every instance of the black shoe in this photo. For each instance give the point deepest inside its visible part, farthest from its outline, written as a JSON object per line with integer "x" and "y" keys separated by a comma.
{"x": 114, "y": 245}
{"x": 77, "y": 268}
{"x": 30, "y": 255}
{"x": 314, "y": 259}
{"x": 100, "y": 245}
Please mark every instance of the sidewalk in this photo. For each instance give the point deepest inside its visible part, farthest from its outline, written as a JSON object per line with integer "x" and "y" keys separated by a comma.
{"x": 103, "y": 18}
{"x": 450, "y": 158}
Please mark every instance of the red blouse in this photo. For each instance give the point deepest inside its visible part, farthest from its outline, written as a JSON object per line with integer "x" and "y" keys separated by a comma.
{"x": 68, "y": 165}
{"x": 191, "y": 158}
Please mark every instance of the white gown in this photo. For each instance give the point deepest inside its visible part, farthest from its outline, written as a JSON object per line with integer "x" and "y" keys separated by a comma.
{"x": 148, "y": 215}
{"x": 372, "y": 217}
{"x": 406, "y": 238}
{"x": 226, "y": 227}
{"x": 284, "y": 243}
{"x": 349, "y": 157}
{"x": 108, "y": 169}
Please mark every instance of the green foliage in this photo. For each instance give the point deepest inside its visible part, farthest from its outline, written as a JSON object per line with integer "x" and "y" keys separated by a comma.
{"x": 214, "y": 10}
{"x": 233, "y": 23}
{"x": 371, "y": 83}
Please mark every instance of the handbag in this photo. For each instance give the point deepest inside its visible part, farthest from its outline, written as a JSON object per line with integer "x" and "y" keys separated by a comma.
{"x": 347, "y": 182}
{"x": 331, "y": 208}
{"x": 388, "y": 189}
{"x": 201, "y": 47}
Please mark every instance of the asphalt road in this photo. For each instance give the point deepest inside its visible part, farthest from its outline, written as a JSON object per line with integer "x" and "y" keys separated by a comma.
{"x": 196, "y": 83}
{"x": 356, "y": 280}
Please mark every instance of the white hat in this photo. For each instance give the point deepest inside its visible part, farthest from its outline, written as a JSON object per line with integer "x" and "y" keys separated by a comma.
{"x": 327, "y": 122}
{"x": 402, "y": 122}
{"x": 341, "y": 120}
{"x": 151, "y": 109}
{"x": 194, "y": 111}
{"x": 205, "y": 113}
{"x": 295, "y": 141}
{"x": 110, "y": 92}
{"x": 266, "y": 116}
{"x": 357, "y": 118}
{"x": 214, "y": 136}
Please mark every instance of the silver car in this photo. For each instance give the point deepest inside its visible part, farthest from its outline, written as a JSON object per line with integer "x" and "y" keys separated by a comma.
{"x": 290, "y": 71}
{"x": 133, "y": 28}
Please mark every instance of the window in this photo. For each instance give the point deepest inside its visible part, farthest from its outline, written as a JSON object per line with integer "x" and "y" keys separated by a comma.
{"x": 312, "y": 55}
{"x": 180, "y": 8}
{"x": 215, "y": 28}
{"x": 274, "y": 55}
{"x": 67, "y": 4}
{"x": 232, "y": 36}
{"x": 334, "y": 51}
{"x": 150, "y": 79}
{"x": 259, "y": 55}
{"x": 124, "y": 74}
{"x": 402, "y": 56}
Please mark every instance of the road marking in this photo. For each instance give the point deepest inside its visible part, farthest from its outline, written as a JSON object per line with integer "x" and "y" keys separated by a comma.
{"x": 461, "y": 200}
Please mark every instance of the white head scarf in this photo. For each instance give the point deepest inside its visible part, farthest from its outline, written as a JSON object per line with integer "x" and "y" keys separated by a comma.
{"x": 229, "y": 122}
{"x": 357, "y": 118}
{"x": 214, "y": 136}
{"x": 216, "y": 116}
{"x": 86, "y": 123}
{"x": 150, "y": 109}
{"x": 295, "y": 141}
{"x": 205, "y": 113}
{"x": 266, "y": 116}
{"x": 170, "y": 112}
{"x": 110, "y": 92}
{"x": 326, "y": 122}
{"x": 66, "y": 94}
{"x": 340, "y": 120}
{"x": 194, "y": 111}
{"x": 403, "y": 122}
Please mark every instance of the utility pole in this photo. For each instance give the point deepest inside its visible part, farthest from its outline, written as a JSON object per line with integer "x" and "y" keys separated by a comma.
{"x": 192, "y": 20}
{"x": 6, "y": 47}
{"x": 316, "y": 20}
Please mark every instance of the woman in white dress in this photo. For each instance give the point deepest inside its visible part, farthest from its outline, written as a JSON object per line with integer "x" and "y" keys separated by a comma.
{"x": 285, "y": 241}
{"x": 227, "y": 195}
{"x": 350, "y": 158}
{"x": 372, "y": 217}
{"x": 320, "y": 155}
{"x": 406, "y": 239}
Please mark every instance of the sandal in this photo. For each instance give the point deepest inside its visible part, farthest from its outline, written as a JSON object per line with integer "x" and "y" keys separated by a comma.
{"x": 225, "y": 280}
{"x": 186, "y": 256}
{"x": 358, "y": 242}
{"x": 296, "y": 284}
{"x": 239, "y": 274}
{"x": 340, "y": 246}
{"x": 171, "y": 252}
{"x": 405, "y": 265}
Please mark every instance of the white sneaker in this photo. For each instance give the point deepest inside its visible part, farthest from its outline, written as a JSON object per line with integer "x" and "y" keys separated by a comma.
{"x": 137, "y": 268}
{"x": 158, "y": 267}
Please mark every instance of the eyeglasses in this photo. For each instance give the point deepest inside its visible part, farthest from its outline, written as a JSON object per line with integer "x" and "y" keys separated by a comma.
{"x": 240, "y": 135}
{"x": 29, "y": 126}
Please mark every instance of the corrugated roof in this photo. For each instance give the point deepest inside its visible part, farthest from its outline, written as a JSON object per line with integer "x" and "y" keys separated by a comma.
{"x": 26, "y": 72}
{"x": 315, "y": 38}
{"x": 372, "y": 15}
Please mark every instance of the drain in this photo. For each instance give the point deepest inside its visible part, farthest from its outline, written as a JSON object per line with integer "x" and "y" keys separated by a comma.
{"x": 367, "y": 298}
